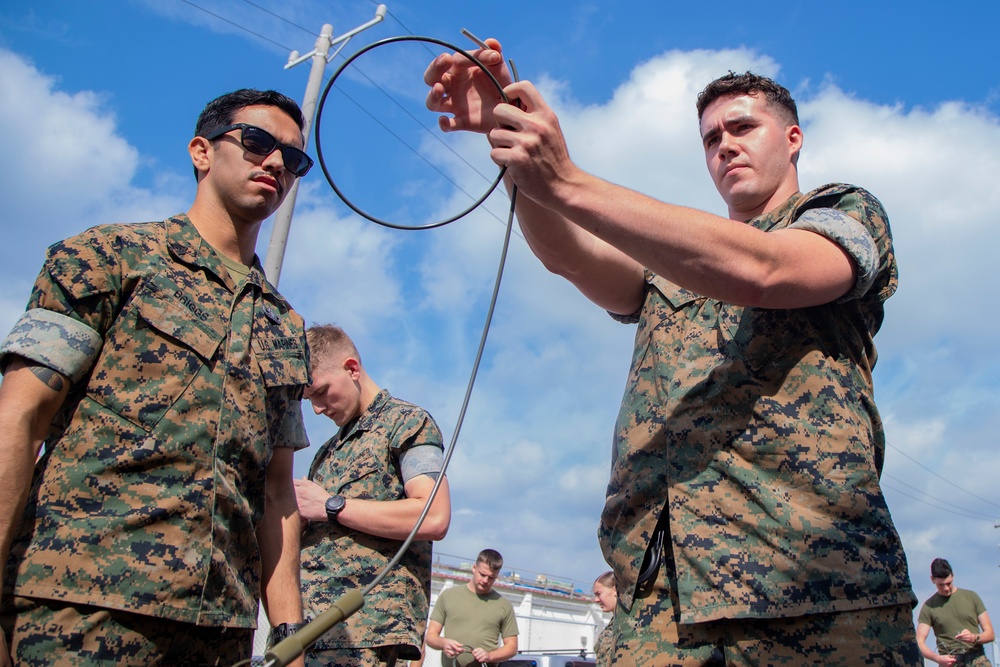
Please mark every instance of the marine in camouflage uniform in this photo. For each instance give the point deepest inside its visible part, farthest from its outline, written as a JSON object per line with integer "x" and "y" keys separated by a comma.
{"x": 185, "y": 381}
{"x": 604, "y": 646}
{"x": 759, "y": 445}
{"x": 382, "y": 462}
{"x": 748, "y": 449}
{"x": 606, "y": 597}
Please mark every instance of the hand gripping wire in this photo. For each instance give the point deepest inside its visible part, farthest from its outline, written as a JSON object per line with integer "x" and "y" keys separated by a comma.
{"x": 296, "y": 644}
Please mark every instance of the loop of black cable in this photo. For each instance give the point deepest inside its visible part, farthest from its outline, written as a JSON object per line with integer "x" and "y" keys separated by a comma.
{"x": 319, "y": 145}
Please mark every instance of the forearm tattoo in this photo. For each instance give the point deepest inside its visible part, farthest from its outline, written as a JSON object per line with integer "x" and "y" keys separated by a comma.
{"x": 52, "y": 379}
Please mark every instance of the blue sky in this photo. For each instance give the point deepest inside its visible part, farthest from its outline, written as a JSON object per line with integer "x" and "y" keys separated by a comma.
{"x": 100, "y": 100}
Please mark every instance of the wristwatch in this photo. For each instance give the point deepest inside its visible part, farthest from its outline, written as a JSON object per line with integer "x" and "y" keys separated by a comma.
{"x": 283, "y": 631}
{"x": 334, "y": 506}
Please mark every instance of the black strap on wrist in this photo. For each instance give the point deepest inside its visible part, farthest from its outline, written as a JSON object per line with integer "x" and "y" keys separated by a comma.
{"x": 283, "y": 631}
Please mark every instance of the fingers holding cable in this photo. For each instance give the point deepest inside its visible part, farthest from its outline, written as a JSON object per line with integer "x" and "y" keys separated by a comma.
{"x": 461, "y": 89}
{"x": 529, "y": 141}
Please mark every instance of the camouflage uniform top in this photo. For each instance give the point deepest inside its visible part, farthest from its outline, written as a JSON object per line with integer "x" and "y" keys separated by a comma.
{"x": 362, "y": 461}
{"x": 151, "y": 486}
{"x": 604, "y": 647}
{"x": 757, "y": 431}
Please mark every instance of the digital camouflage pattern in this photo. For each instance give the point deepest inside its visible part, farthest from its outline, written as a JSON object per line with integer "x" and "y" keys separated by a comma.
{"x": 379, "y": 656}
{"x": 650, "y": 636}
{"x": 151, "y": 485}
{"x": 50, "y": 633}
{"x": 756, "y": 432}
{"x": 604, "y": 647}
{"x": 362, "y": 461}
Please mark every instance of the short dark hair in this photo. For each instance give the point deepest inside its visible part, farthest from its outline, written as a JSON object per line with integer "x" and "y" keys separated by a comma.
{"x": 328, "y": 342}
{"x": 940, "y": 568}
{"x": 751, "y": 84}
{"x": 220, "y": 111}
{"x": 491, "y": 558}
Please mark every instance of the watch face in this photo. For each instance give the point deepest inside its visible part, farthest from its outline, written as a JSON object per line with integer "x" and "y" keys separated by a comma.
{"x": 334, "y": 504}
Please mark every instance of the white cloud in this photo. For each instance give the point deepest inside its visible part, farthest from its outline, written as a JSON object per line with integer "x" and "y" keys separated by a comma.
{"x": 531, "y": 464}
{"x": 79, "y": 174}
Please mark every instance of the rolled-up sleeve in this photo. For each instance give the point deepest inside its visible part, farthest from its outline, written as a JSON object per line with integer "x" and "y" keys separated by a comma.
{"x": 288, "y": 429}
{"x": 54, "y": 340}
{"x": 850, "y": 235}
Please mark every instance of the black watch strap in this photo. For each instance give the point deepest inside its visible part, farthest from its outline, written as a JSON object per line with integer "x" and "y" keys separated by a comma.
{"x": 334, "y": 505}
{"x": 283, "y": 631}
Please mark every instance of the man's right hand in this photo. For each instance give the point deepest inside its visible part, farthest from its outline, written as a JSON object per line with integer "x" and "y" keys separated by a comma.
{"x": 452, "y": 648}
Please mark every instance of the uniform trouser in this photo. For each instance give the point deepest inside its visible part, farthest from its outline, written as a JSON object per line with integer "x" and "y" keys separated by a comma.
{"x": 50, "y": 633}
{"x": 973, "y": 658}
{"x": 378, "y": 656}
{"x": 649, "y": 635}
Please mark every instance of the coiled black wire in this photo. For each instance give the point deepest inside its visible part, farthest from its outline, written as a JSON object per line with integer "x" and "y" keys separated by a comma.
{"x": 319, "y": 146}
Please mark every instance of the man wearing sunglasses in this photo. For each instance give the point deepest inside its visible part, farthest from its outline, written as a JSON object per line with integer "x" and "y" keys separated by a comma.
{"x": 164, "y": 376}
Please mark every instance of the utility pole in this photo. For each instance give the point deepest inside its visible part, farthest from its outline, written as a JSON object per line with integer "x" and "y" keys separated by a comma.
{"x": 320, "y": 59}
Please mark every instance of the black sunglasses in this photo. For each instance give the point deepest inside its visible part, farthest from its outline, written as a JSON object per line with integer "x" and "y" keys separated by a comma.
{"x": 260, "y": 142}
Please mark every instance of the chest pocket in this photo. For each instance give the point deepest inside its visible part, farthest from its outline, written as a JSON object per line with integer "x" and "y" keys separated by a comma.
{"x": 359, "y": 474}
{"x": 155, "y": 351}
{"x": 671, "y": 311}
{"x": 769, "y": 342}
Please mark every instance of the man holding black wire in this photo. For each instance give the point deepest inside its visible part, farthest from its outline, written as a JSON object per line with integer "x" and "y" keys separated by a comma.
{"x": 367, "y": 487}
{"x": 164, "y": 376}
{"x": 959, "y": 619}
{"x": 744, "y": 519}
{"x": 473, "y": 624}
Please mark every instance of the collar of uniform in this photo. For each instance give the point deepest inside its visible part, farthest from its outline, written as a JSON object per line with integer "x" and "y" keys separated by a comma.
{"x": 366, "y": 420}
{"x": 189, "y": 246}
{"x": 767, "y": 221}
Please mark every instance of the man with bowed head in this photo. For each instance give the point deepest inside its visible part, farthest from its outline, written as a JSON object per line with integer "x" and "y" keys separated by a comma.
{"x": 367, "y": 487}
{"x": 164, "y": 376}
{"x": 959, "y": 619}
{"x": 467, "y": 620}
{"x": 744, "y": 517}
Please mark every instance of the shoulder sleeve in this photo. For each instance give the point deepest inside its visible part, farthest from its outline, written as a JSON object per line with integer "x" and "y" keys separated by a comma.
{"x": 439, "y": 612}
{"x": 851, "y": 236}
{"x": 288, "y": 428}
{"x": 54, "y": 340}
{"x": 509, "y": 628}
{"x": 856, "y": 221}
{"x": 415, "y": 428}
{"x": 420, "y": 460}
{"x": 980, "y": 607}
{"x": 925, "y": 616}
{"x": 71, "y": 306}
